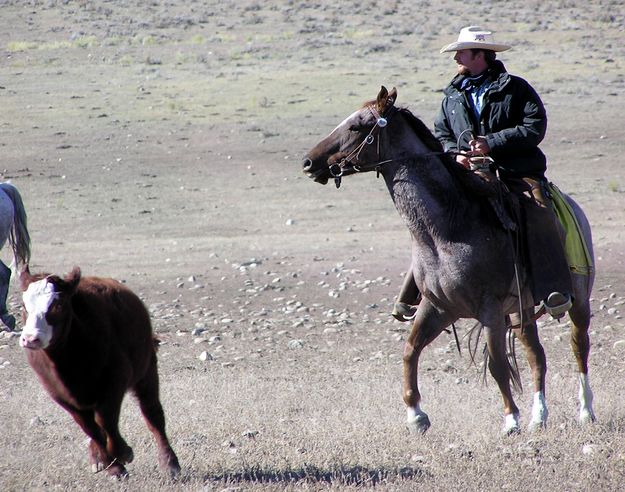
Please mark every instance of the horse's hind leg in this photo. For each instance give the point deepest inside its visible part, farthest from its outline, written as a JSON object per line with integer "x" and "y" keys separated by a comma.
{"x": 580, "y": 342}
{"x": 535, "y": 354}
{"x": 5, "y": 278}
{"x": 428, "y": 324}
{"x": 147, "y": 392}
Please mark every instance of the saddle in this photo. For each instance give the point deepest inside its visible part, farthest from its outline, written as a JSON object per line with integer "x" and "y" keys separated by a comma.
{"x": 482, "y": 182}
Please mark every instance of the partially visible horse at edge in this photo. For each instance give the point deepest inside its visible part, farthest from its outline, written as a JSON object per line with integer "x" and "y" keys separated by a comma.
{"x": 462, "y": 259}
{"x": 13, "y": 228}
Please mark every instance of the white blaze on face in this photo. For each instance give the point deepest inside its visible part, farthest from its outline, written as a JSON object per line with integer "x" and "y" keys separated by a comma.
{"x": 345, "y": 121}
{"x": 37, "y": 333}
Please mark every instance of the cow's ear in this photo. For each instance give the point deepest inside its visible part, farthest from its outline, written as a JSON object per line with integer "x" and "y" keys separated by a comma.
{"x": 25, "y": 277}
{"x": 71, "y": 280}
{"x": 68, "y": 284}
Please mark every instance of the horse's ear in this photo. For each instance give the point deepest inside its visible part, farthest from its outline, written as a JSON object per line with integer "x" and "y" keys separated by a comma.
{"x": 392, "y": 97}
{"x": 25, "y": 277}
{"x": 386, "y": 99}
{"x": 382, "y": 95}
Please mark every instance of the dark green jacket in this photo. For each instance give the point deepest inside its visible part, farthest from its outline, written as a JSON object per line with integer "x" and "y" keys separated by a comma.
{"x": 513, "y": 120}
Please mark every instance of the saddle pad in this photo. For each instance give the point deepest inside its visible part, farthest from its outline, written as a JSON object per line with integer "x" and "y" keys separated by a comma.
{"x": 577, "y": 254}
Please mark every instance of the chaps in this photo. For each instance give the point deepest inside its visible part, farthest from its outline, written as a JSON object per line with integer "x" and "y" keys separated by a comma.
{"x": 544, "y": 242}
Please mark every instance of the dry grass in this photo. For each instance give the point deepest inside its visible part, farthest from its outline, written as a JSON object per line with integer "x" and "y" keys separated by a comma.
{"x": 157, "y": 142}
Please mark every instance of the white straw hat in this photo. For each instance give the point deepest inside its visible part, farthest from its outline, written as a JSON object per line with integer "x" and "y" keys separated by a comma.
{"x": 475, "y": 37}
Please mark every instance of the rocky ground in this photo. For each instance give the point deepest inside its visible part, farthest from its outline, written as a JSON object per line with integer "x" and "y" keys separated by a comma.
{"x": 160, "y": 144}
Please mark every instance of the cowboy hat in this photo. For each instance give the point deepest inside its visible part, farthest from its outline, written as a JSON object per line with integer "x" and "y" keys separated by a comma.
{"x": 475, "y": 37}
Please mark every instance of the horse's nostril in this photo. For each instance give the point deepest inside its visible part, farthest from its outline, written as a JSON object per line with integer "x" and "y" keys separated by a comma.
{"x": 307, "y": 164}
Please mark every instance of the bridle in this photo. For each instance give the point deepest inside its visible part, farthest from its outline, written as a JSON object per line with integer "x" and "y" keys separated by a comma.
{"x": 337, "y": 169}
{"x": 381, "y": 121}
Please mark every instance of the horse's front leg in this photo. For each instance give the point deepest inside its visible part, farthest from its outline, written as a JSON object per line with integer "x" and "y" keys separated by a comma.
{"x": 495, "y": 330}
{"x": 528, "y": 335}
{"x": 428, "y": 324}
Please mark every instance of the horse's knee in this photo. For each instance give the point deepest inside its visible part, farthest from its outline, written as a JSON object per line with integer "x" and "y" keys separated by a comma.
{"x": 409, "y": 353}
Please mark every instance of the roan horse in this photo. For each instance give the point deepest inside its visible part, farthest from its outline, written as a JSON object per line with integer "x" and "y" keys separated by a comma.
{"x": 462, "y": 259}
{"x": 13, "y": 229}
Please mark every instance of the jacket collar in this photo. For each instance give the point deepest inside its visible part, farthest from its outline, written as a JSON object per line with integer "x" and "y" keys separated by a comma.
{"x": 496, "y": 72}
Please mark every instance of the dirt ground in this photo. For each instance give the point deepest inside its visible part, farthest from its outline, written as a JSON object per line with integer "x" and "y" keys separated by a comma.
{"x": 160, "y": 145}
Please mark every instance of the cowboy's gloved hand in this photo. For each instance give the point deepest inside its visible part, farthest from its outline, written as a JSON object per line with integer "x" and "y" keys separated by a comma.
{"x": 479, "y": 146}
{"x": 463, "y": 160}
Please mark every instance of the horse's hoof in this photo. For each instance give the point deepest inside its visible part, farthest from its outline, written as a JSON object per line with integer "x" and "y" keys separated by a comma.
{"x": 418, "y": 424}
{"x": 126, "y": 456}
{"x": 512, "y": 431}
{"x": 117, "y": 471}
{"x": 8, "y": 320}
{"x": 511, "y": 425}
{"x": 587, "y": 417}
{"x": 535, "y": 427}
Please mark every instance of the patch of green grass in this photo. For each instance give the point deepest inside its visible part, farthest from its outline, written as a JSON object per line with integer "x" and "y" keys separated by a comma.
{"x": 126, "y": 60}
{"x": 86, "y": 42}
{"x": 358, "y": 34}
{"x": 16, "y": 46}
{"x": 148, "y": 40}
{"x": 56, "y": 45}
{"x": 614, "y": 186}
{"x": 198, "y": 39}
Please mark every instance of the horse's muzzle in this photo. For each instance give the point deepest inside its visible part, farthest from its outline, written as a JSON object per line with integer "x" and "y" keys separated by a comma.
{"x": 315, "y": 175}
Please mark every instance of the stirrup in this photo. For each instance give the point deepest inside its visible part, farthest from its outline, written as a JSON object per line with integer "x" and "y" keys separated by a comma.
{"x": 557, "y": 304}
{"x": 402, "y": 311}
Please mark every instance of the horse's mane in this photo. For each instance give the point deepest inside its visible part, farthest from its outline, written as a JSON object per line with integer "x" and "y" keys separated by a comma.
{"x": 463, "y": 178}
{"x": 426, "y": 136}
{"x": 432, "y": 143}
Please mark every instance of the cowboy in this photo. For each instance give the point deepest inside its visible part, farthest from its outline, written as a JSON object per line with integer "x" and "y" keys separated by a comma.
{"x": 488, "y": 113}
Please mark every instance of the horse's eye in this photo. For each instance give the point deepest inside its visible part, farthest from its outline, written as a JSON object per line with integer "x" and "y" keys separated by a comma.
{"x": 359, "y": 127}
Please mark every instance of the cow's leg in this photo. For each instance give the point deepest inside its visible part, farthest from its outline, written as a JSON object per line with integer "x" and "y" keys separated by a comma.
{"x": 535, "y": 354}
{"x": 147, "y": 392}
{"x": 98, "y": 455}
{"x": 107, "y": 417}
{"x": 580, "y": 342}
{"x": 495, "y": 331}
{"x": 428, "y": 324}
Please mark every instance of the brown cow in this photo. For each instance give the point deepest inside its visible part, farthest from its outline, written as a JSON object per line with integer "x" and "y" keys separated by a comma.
{"x": 90, "y": 340}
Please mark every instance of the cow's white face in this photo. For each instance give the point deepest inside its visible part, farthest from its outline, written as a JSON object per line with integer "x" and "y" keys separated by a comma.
{"x": 38, "y": 298}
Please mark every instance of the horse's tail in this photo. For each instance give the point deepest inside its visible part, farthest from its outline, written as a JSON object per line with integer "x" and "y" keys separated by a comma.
{"x": 474, "y": 335}
{"x": 19, "y": 238}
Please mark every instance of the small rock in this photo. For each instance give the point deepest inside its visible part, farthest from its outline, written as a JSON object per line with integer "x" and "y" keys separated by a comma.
{"x": 296, "y": 344}
{"x": 590, "y": 449}
{"x": 205, "y": 356}
{"x": 619, "y": 344}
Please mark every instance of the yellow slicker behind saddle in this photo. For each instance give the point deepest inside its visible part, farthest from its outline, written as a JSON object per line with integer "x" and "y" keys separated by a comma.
{"x": 577, "y": 254}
